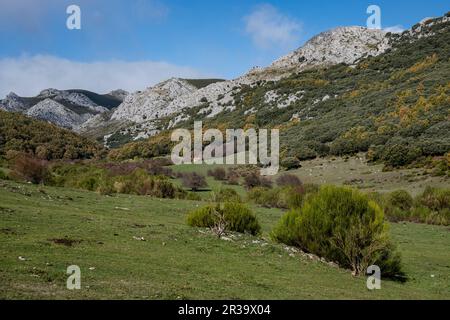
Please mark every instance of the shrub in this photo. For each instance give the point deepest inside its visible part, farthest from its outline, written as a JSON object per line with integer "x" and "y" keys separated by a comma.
{"x": 105, "y": 188}
{"x": 311, "y": 187}
{"x": 218, "y": 174}
{"x": 253, "y": 179}
{"x": 288, "y": 180}
{"x": 194, "y": 181}
{"x": 400, "y": 199}
{"x": 164, "y": 189}
{"x": 227, "y": 195}
{"x": 431, "y": 207}
{"x": 99, "y": 179}
{"x": 286, "y": 231}
{"x": 3, "y": 175}
{"x": 295, "y": 197}
{"x": 269, "y": 198}
{"x": 435, "y": 199}
{"x": 28, "y": 168}
{"x": 233, "y": 180}
{"x": 342, "y": 225}
{"x": 398, "y": 155}
{"x": 290, "y": 163}
{"x": 237, "y": 217}
{"x": 191, "y": 196}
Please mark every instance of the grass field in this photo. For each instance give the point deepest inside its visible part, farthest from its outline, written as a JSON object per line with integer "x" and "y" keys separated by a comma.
{"x": 353, "y": 171}
{"x": 51, "y": 228}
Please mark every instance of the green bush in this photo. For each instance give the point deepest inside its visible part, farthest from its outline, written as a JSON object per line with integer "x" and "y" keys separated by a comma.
{"x": 342, "y": 225}
{"x": 401, "y": 199}
{"x": 431, "y": 207}
{"x": 436, "y": 199}
{"x": 290, "y": 163}
{"x": 286, "y": 231}
{"x": 3, "y": 175}
{"x": 295, "y": 197}
{"x": 237, "y": 216}
{"x": 227, "y": 195}
{"x": 269, "y": 198}
{"x": 99, "y": 179}
{"x": 203, "y": 217}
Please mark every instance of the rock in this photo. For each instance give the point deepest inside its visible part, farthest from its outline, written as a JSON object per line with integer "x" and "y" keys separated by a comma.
{"x": 54, "y": 112}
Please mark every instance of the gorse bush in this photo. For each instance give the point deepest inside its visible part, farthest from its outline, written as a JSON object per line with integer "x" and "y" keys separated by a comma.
{"x": 269, "y": 198}
{"x": 401, "y": 199}
{"x": 226, "y": 195}
{"x": 435, "y": 199}
{"x": 286, "y": 197}
{"x": 431, "y": 207}
{"x": 236, "y": 216}
{"x": 100, "y": 179}
{"x": 342, "y": 225}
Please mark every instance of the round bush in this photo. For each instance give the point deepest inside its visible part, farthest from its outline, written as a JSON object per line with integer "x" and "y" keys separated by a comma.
{"x": 290, "y": 163}
{"x": 227, "y": 195}
{"x": 401, "y": 199}
{"x": 237, "y": 216}
{"x": 342, "y": 225}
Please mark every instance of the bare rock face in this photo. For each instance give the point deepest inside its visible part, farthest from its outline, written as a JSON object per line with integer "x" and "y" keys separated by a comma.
{"x": 54, "y": 112}
{"x": 340, "y": 45}
{"x": 151, "y": 103}
{"x": 13, "y": 103}
{"x": 72, "y": 108}
{"x": 174, "y": 96}
{"x": 74, "y": 98}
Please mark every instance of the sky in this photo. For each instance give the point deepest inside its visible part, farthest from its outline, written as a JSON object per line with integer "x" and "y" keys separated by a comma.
{"x": 134, "y": 44}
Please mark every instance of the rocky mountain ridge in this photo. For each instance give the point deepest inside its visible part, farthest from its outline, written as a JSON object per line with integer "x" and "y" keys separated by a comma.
{"x": 65, "y": 108}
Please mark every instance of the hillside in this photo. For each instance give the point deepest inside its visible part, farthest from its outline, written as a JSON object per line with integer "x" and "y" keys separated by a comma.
{"x": 47, "y": 141}
{"x": 103, "y": 235}
{"x": 65, "y": 108}
{"x": 394, "y": 105}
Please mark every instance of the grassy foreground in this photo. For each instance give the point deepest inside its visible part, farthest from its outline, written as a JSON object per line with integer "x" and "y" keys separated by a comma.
{"x": 52, "y": 228}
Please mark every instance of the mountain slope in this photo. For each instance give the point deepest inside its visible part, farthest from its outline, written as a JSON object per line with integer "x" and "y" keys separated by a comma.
{"x": 395, "y": 104}
{"x": 341, "y": 45}
{"x": 47, "y": 141}
{"x": 71, "y": 107}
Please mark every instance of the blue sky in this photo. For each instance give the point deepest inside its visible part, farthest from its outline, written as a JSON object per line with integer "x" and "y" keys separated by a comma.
{"x": 156, "y": 39}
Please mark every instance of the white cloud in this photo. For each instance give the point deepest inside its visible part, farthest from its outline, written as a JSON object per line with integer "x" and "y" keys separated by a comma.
{"x": 269, "y": 28}
{"x": 395, "y": 29}
{"x": 27, "y": 76}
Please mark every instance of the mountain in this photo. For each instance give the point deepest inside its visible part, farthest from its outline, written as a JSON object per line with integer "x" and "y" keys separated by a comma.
{"x": 340, "y": 45}
{"x": 345, "y": 91}
{"x": 137, "y": 117}
{"x": 172, "y": 98}
{"x": 65, "y": 108}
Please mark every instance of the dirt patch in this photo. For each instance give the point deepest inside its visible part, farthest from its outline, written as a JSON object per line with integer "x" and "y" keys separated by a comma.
{"x": 137, "y": 225}
{"x": 8, "y": 231}
{"x": 65, "y": 241}
{"x": 6, "y": 210}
